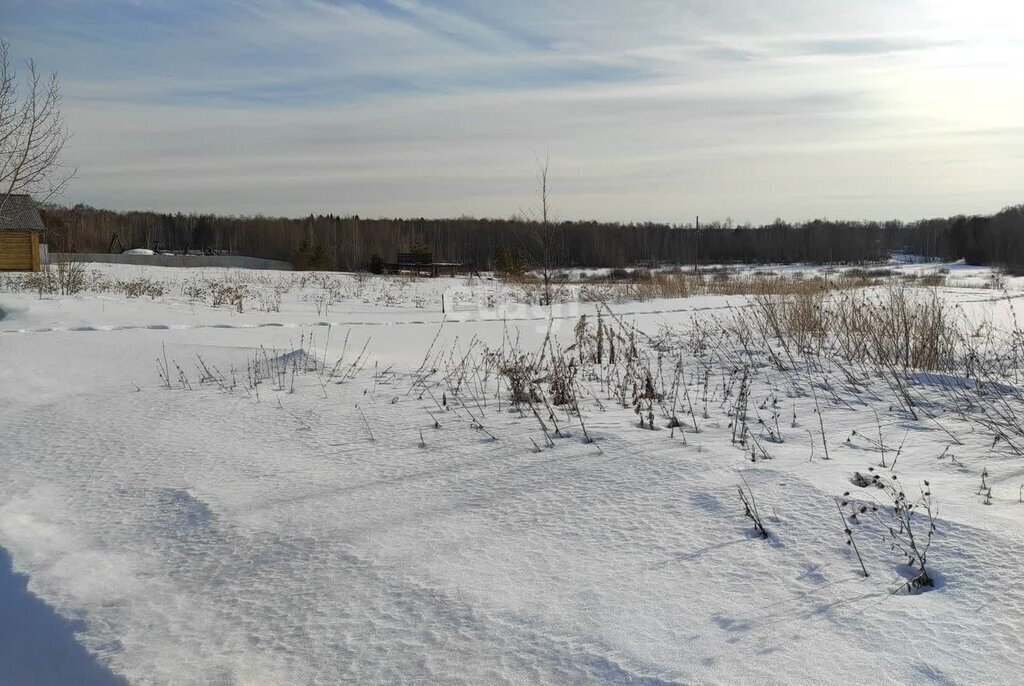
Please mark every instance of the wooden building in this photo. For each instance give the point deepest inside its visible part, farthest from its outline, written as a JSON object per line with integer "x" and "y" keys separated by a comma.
{"x": 423, "y": 263}
{"x": 20, "y": 227}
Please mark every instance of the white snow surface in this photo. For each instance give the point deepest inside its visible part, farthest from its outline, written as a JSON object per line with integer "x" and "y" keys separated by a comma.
{"x": 203, "y": 537}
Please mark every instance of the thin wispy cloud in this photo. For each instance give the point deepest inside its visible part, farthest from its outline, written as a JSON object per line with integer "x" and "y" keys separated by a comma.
{"x": 650, "y": 110}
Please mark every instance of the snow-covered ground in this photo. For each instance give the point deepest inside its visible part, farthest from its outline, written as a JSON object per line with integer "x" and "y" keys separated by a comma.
{"x": 375, "y": 525}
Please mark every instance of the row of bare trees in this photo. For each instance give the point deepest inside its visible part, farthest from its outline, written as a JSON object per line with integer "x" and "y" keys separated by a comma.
{"x": 350, "y": 242}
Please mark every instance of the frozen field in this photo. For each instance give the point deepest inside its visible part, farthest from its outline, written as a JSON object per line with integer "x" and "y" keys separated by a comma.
{"x": 334, "y": 485}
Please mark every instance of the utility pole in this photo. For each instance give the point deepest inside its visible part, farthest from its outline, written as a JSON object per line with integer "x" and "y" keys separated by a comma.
{"x": 696, "y": 253}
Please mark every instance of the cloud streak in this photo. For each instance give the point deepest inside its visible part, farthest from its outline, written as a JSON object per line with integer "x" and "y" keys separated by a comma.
{"x": 651, "y": 111}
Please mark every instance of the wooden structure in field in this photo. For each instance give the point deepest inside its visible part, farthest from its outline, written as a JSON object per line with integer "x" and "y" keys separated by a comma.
{"x": 423, "y": 263}
{"x": 20, "y": 227}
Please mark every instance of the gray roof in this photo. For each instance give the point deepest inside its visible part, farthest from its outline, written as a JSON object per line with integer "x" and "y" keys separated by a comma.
{"x": 19, "y": 213}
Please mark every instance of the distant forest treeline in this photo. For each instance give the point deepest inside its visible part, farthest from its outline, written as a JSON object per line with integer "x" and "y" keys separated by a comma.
{"x": 350, "y": 243}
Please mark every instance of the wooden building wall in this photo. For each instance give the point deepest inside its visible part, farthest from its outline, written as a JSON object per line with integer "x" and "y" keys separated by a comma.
{"x": 19, "y": 251}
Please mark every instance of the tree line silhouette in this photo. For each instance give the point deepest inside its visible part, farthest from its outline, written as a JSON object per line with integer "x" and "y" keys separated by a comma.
{"x": 351, "y": 243}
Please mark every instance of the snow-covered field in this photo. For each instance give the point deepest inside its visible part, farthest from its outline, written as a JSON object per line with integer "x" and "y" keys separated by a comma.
{"x": 375, "y": 509}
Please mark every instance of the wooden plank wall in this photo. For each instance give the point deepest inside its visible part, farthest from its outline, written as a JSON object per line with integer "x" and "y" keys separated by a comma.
{"x": 19, "y": 251}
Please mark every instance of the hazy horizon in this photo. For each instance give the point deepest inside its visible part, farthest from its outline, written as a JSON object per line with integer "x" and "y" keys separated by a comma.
{"x": 659, "y": 111}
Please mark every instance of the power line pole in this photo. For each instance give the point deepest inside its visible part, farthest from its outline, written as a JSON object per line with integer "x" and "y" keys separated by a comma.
{"x": 696, "y": 252}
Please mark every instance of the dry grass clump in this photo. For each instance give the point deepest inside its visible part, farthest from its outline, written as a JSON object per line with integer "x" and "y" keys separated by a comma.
{"x": 897, "y": 327}
{"x": 140, "y": 287}
{"x": 640, "y": 284}
{"x": 799, "y": 317}
{"x": 519, "y": 371}
{"x": 907, "y": 329}
{"x": 930, "y": 280}
{"x": 218, "y": 293}
{"x": 646, "y": 285}
{"x": 869, "y": 272}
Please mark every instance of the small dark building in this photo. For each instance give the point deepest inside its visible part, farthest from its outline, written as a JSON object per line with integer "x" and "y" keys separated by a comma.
{"x": 20, "y": 226}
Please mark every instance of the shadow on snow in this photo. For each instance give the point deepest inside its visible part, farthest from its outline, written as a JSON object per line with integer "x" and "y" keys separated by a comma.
{"x": 37, "y": 645}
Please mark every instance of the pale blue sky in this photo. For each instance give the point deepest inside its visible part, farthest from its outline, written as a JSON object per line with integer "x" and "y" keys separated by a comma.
{"x": 650, "y": 110}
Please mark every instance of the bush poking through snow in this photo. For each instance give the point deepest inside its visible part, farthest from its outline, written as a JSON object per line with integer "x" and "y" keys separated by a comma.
{"x": 908, "y": 524}
{"x": 227, "y": 294}
{"x": 750, "y": 508}
{"x": 137, "y": 288}
{"x": 518, "y": 371}
{"x": 849, "y": 539}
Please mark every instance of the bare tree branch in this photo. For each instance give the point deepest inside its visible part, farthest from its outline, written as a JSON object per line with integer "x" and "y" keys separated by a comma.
{"x": 32, "y": 134}
{"x": 541, "y": 255}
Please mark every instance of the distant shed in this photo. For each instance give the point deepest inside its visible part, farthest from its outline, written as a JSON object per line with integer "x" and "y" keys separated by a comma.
{"x": 20, "y": 226}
